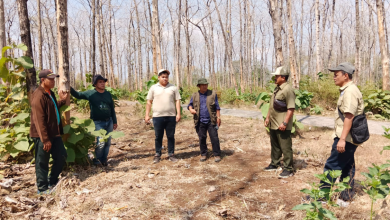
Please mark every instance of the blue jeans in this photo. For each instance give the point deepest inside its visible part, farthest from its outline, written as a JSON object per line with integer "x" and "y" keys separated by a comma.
{"x": 102, "y": 148}
{"x": 168, "y": 124}
{"x": 344, "y": 162}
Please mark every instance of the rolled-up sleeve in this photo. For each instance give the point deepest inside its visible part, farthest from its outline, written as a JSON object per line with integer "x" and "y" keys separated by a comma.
{"x": 216, "y": 103}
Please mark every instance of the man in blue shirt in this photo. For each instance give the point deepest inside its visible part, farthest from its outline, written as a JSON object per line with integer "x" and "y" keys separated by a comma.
{"x": 205, "y": 108}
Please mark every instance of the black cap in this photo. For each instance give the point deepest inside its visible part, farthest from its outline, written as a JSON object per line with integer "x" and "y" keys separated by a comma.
{"x": 98, "y": 77}
{"x": 47, "y": 74}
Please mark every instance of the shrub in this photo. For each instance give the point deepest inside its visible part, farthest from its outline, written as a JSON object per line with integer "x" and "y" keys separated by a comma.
{"x": 302, "y": 99}
{"x": 324, "y": 91}
{"x": 378, "y": 103}
{"x": 316, "y": 110}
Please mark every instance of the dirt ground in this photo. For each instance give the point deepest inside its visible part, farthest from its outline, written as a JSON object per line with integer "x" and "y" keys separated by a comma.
{"x": 132, "y": 187}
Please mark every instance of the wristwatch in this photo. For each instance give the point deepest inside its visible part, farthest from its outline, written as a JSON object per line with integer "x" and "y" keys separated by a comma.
{"x": 284, "y": 123}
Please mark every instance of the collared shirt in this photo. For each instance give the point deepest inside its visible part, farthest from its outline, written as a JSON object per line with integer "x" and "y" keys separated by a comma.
{"x": 204, "y": 115}
{"x": 164, "y": 99}
{"x": 286, "y": 94}
{"x": 350, "y": 101}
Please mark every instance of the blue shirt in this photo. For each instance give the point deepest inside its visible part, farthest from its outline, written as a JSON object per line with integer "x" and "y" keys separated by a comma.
{"x": 204, "y": 115}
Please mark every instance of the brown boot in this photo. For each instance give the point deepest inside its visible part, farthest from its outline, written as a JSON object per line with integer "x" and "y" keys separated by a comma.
{"x": 173, "y": 158}
{"x": 217, "y": 159}
{"x": 203, "y": 158}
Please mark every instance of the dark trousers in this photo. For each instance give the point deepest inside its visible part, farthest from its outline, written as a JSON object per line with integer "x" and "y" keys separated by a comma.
{"x": 59, "y": 155}
{"x": 169, "y": 125}
{"x": 281, "y": 144}
{"x": 202, "y": 130}
{"x": 344, "y": 162}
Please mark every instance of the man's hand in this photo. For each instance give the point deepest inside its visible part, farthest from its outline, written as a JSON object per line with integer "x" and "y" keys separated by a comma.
{"x": 282, "y": 127}
{"x": 193, "y": 111}
{"x": 147, "y": 119}
{"x": 115, "y": 126}
{"x": 178, "y": 117}
{"x": 219, "y": 122}
{"x": 63, "y": 95}
{"x": 341, "y": 146}
{"x": 47, "y": 146}
{"x": 266, "y": 122}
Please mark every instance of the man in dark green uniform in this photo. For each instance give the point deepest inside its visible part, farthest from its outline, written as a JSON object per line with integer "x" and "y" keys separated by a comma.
{"x": 102, "y": 113}
{"x": 280, "y": 121}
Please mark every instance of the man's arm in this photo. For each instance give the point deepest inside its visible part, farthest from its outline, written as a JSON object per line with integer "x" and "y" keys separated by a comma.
{"x": 178, "y": 112}
{"x": 191, "y": 106}
{"x": 148, "y": 107}
{"x": 218, "y": 109}
{"x": 113, "y": 114}
{"x": 79, "y": 95}
{"x": 346, "y": 128}
{"x": 38, "y": 108}
{"x": 290, "y": 113}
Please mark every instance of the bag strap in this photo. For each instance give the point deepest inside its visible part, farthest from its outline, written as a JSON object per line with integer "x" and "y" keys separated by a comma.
{"x": 340, "y": 114}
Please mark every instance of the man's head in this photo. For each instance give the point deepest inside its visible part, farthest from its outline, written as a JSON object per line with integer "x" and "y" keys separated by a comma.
{"x": 281, "y": 75}
{"x": 47, "y": 78}
{"x": 163, "y": 77}
{"x": 99, "y": 81}
{"x": 203, "y": 85}
{"x": 342, "y": 73}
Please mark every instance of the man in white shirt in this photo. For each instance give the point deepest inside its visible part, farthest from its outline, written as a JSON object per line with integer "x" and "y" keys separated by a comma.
{"x": 165, "y": 98}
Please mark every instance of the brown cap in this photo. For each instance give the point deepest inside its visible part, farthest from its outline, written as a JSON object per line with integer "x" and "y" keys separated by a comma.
{"x": 161, "y": 71}
{"x": 47, "y": 74}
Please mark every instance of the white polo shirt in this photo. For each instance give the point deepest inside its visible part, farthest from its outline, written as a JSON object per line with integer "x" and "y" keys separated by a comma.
{"x": 164, "y": 99}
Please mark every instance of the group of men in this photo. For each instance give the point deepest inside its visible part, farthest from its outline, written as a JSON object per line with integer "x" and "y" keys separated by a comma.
{"x": 164, "y": 99}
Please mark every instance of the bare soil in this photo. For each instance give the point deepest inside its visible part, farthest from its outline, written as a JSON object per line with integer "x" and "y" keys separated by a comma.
{"x": 132, "y": 187}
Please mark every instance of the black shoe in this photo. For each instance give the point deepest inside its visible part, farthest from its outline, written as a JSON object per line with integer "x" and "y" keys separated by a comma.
{"x": 105, "y": 164}
{"x": 286, "y": 174}
{"x": 156, "y": 159}
{"x": 347, "y": 195}
{"x": 271, "y": 168}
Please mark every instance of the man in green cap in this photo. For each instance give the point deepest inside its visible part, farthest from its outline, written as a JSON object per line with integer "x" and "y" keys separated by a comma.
{"x": 280, "y": 121}
{"x": 207, "y": 118}
{"x": 349, "y": 105}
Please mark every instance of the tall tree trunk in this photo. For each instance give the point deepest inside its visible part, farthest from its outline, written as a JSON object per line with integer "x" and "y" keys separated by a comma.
{"x": 242, "y": 84}
{"x": 93, "y": 38}
{"x": 3, "y": 37}
{"x": 383, "y": 44}
{"x": 318, "y": 56}
{"x": 331, "y": 33}
{"x": 25, "y": 36}
{"x": 228, "y": 50}
{"x": 40, "y": 60}
{"x": 154, "y": 52}
{"x": 139, "y": 49}
{"x": 53, "y": 38}
{"x": 357, "y": 43}
{"x": 63, "y": 50}
{"x": 157, "y": 34}
{"x": 291, "y": 43}
{"x": 178, "y": 46}
{"x": 275, "y": 12}
{"x": 100, "y": 40}
{"x": 188, "y": 46}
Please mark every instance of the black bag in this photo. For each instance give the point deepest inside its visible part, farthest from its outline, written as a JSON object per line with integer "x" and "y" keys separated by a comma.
{"x": 279, "y": 106}
{"x": 359, "y": 129}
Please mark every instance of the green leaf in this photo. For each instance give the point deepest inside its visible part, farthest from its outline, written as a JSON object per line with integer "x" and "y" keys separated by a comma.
{"x": 3, "y": 68}
{"x": 66, "y": 129}
{"x": 18, "y": 96}
{"x": 299, "y": 124}
{"x": 264, "y": 109}
{"x": 24, "y": 130}
{"x": 71, "y": 155}
{"x": 327, "y": 213}
{"x": 116, "y": 134}
{"x": 25, "y": 61}
{"x": 74, "y": 138}
{"x": 22, "y": 145}
{"x": 89, "y": 125}
{"x": 22, "y": 47}
{"x": 65, "y": 108}
{"x": 306, "y": 207}
{"x": 19, "y": 117}
{"x": 5, "y": 50}
{"x": 99, "y": 133}
{"x": 20, "y": 74}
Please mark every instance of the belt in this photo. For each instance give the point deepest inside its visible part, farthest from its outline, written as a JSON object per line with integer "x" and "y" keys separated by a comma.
{"x": 107, "y": 119}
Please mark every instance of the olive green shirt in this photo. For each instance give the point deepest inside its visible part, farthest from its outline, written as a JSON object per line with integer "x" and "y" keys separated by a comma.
{"x": 350, "y": 101}
{"x": 286, "y": 94}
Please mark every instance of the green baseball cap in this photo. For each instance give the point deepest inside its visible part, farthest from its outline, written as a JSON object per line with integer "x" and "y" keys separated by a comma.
{"x": 202, "y": 81}
{"x": 280, "y": 71}
{"x": 346, "y": 67}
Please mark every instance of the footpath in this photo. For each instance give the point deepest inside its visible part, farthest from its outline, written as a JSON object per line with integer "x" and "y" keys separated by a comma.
{"x": 375, "y": 127}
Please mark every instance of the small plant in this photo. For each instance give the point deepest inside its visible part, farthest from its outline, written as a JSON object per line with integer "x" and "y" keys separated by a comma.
{"x": 316, "y": 110}
{"x": 302, "y": 99}
{"x": 320, "y": 75}
{"x": 81, "y": 137}
{"x": 314, "y": 209}
{"x": 378, "y": 103}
